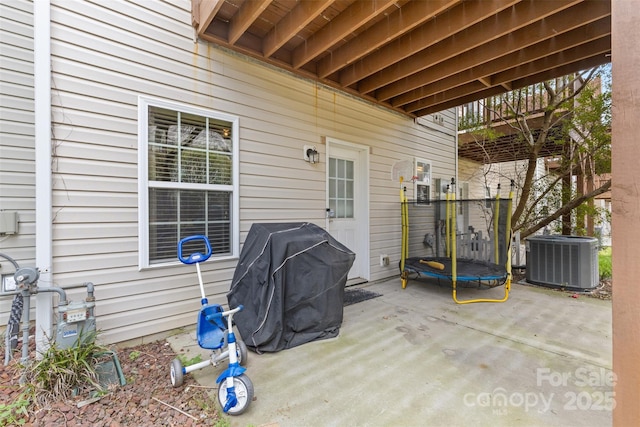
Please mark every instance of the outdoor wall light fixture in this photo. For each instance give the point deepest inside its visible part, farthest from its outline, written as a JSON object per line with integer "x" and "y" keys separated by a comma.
{"x": 310, "y": 153}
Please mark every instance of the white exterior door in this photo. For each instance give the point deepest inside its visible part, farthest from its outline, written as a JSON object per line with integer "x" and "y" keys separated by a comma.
{"x": 348, "y": 201}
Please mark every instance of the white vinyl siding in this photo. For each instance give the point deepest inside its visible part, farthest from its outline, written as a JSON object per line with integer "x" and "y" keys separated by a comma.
{"x": 105, "y": 57}
{"x": 17, "y": 141}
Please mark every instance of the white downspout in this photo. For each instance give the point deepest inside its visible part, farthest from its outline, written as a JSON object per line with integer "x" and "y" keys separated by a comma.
{"x": 42, "y": 107}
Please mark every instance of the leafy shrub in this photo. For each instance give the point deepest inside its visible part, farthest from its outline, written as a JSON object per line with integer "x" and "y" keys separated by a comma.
{"x": 62, "y": 373}
{"x": 604, "y": 264}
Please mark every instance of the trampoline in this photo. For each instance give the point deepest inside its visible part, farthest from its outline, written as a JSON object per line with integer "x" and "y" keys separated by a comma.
{"x": 462, "y": 242}
{"x": 468, "y": 270}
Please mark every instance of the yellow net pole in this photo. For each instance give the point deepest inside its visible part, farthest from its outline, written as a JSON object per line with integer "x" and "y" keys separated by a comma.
{"x": 496, "y": 222}
{"x": 405, "y": 225}
{"x": 447, "y": 229}
{"x": 404, "y": 249}
{"x": 453, "y": 211}
{"x": 507, "y": 284}
{"x": 508, "y": 237}
{"x": 510, "y": 207}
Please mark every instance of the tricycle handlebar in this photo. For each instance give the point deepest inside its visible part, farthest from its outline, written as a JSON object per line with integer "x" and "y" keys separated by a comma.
{"x": 233, "y": 311}
{"x": 195, "y": 257}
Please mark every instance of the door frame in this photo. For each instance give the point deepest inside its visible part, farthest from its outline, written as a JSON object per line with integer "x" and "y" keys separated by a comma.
{"x": 362, "y": 201}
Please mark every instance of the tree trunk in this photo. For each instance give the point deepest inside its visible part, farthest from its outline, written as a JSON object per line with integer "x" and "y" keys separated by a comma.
{"x": 566, "y": 198}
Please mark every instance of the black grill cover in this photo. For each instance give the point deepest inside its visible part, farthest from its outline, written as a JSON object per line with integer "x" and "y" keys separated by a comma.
{"x": 290, "y": 279}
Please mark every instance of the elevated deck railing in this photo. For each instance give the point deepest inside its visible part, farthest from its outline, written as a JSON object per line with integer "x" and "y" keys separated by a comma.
{"x": 530, "y": 100}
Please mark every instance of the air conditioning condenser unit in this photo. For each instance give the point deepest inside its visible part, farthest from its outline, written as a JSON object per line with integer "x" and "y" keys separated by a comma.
{"x": 563, "y": 261}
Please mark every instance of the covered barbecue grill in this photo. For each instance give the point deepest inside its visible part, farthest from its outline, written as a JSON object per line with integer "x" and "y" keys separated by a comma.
{"x": 290, "y": 279}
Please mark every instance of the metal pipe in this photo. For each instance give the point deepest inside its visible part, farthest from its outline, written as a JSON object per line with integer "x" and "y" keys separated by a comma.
{"x": 25, "y": 326}
{"x": 11, "y": 260}
{"x": 90, "y": 298}
{"x": 59, "y": 291}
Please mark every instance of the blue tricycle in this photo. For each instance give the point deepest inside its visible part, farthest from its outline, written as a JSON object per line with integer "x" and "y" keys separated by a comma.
{"x": 214, "y": 332}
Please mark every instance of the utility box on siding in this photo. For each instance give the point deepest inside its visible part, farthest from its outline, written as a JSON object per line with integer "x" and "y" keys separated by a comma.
{"x": 563, "y": 261}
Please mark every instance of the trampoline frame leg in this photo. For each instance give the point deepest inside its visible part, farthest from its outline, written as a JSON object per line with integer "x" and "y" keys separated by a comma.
{"x": 507, "y": 287}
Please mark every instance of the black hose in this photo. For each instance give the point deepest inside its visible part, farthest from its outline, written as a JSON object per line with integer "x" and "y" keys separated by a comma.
{"x": 11, "y": 338}
{"x": 13, "y": 327}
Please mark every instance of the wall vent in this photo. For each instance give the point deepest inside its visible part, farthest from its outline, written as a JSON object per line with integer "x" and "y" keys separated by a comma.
{"x": 563, "y": 261}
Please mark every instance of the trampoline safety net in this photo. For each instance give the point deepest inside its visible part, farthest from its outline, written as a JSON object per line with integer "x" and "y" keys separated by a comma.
{"x": 462, "y": 241}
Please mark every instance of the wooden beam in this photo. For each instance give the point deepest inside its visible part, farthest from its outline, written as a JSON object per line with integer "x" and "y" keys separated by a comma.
{"x": 547, "y": 68}
{"x": 242, "y": 20}
{"x": 625, "y": 220}
{"x": 599, "y": 47}
{"x": 410, "y": 16}
{"x": 449, "y": 23}
{"x": 502, "y": 24}
{"x": 507, "y": 85}
{"x": 481, "y": 62}
{"x": 301, "y": 15}
{"x": 195, "y": 13}
{"x": 485, "y": 81}
{"x": 448, "y": 99}
{"x": 206, "y": 11}
{"x": 348, "y": 21}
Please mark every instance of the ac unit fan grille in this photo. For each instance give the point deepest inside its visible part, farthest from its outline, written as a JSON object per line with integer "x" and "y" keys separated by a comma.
{"x": 563, "y": 261}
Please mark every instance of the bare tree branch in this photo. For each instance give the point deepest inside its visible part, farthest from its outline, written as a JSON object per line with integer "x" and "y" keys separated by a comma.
{"x": 565, "y": 209}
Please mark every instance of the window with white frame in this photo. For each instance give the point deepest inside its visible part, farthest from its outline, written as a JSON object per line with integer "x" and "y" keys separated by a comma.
{"x": 423, "y": 180}
{"x": 188, "y": 180}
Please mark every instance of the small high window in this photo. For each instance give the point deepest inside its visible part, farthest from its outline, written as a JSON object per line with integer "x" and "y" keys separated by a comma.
{"x": 423, "y": 180}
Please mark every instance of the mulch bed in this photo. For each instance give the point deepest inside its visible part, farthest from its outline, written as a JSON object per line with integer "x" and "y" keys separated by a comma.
{"x": 148, "y": 399}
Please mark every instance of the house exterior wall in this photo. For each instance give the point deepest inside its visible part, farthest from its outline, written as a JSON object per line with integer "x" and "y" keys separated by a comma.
{"x": 105, "y": 55}
{"x": 17, "y": 143}
{"x": 482, "y": 176}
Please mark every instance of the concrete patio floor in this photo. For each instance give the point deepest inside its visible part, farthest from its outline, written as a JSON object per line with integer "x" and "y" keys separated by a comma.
{"x": 412, "y": 357}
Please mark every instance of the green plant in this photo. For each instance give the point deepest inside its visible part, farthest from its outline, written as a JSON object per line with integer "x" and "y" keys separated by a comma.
{"x": 186, "y": 362}
{"x": 15, "y": 413}
{"x": 222, "y": 422}
{"x": 64, "y": 372}
{"x": 604, "y": 264}
{"x": 134, "y": 355}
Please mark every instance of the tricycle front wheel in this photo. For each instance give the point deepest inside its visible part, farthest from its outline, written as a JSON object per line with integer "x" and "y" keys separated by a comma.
{"x": 244, "y": 393}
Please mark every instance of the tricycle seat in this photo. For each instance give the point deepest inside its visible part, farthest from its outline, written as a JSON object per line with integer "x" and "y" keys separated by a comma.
{"x": 211, "y": 327}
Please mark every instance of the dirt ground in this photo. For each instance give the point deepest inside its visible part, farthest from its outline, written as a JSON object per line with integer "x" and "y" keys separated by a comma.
{"x": 603, "y": 291}
{"x": 148, "y": 399}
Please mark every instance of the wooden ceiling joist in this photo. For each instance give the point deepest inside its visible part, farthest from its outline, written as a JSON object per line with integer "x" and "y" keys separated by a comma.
{"x": 500, "y": 54}
{"x": 398, "y": 23}
{"x": 354, "y": 17}
{"x": 443, "y": 27}
{"x": 300, "y": 16}
{"x": 493, "y": 70}
{"x": 506, "y": 23}
{"x": 414, "y": 56}
{"x": 246, "y": 16}
{"x": 449, "y": 100}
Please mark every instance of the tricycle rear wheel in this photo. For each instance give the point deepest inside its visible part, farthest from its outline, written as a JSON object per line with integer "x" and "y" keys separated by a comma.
{"x": 242, "y": 352}
{"x": 177, "y": 376}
